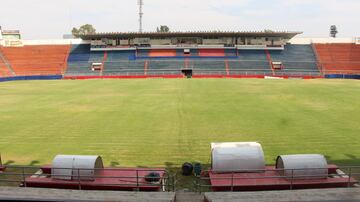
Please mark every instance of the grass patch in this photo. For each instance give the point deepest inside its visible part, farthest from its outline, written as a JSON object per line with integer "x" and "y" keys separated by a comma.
{"x": 168, "y": 122}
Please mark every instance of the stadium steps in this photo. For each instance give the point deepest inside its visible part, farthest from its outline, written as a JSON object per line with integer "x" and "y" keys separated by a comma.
{"x": 339, "y": 58}
{"x": 318, "y": 60}
{"x": 5, "y": 67}
{"x": 37, "y": 59}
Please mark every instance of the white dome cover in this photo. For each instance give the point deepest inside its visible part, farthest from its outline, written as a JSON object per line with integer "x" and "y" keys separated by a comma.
{"x": 68, "y": 167}
{"x": 237, "y": 157}
{"x": 304, "y": 166}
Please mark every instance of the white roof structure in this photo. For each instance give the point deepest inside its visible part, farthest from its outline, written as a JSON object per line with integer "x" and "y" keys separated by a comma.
{"x": 69, "y": 167}
{"x": 304, "y": 166}
{"x": 237, "y": 157}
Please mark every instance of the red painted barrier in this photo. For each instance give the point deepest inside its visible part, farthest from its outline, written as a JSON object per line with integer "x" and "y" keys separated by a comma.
{"x": 123, "y": 77}
{"x": 227, "y": 76}
{"x": 182, "y": 76}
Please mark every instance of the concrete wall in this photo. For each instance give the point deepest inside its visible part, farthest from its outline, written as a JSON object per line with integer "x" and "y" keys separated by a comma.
{"x": 55, "y": 42}
{"x": 300, "y": 40}
{"x": 296, "y": 40}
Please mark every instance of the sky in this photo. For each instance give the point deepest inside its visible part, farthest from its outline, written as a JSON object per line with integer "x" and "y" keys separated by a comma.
{"x": 50, "y": 19}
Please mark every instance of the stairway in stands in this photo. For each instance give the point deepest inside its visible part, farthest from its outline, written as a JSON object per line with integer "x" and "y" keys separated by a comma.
{"x": 5, "y": 67}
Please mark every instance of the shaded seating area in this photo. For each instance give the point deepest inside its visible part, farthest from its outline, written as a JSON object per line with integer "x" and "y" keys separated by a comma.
{"x": 250, "y": 62}
{"x": 89, "y": 173}
{"x": 37, "y": 59}
{"x": 124, "y": 67}
{"x": 165, "y": 67}
{"x": 207, "y": 66}
{"x": 297, "y": 60}
{"x": 79, "y": 60}
{"x": 240, "y": 166}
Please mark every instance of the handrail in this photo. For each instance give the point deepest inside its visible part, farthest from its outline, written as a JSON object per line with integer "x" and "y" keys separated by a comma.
{"x": 136, "y": 180}
{"x": 353, "y": 171}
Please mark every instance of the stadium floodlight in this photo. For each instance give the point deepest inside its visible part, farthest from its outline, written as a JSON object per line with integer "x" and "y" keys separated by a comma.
{"x": 141, "y": 13}
{"x": 333, "y": 31}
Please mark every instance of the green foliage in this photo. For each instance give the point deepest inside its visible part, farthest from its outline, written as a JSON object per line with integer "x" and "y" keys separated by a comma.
{"x": 168, "y": 122}
{"x": 83, "y": 30}
{"x": 163, "y": 28}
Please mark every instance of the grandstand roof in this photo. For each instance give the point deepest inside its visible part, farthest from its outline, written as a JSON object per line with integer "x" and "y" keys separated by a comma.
{"x": 190, "y": 34}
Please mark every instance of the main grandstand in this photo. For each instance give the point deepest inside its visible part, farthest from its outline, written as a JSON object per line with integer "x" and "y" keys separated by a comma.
{"x": 180, "y": 54}
{"x": 166, "y": 122}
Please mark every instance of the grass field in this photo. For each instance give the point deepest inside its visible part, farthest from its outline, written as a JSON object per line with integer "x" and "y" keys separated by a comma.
{"x": 164, "y": 122}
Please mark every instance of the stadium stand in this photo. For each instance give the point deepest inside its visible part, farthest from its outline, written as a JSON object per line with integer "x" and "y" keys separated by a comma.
{"x": 79, "y": 60}
{"x": 250, "y": 62}
{"x": 166, "y": 67}
{"x": 37, "y": 59}
{"x": 124, "y": 67}
{"x": 339, "y": 58}
{"x": 297, "y": 60}
{"x": 207, "y": 66}
{"x": 123, "y": 63}
{"x": 122, "y": 55}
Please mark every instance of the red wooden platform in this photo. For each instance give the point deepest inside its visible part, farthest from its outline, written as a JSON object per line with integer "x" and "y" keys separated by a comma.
{"x": 116, "y": 179}
{"x": 272, "y": 180}
{"x": 2, "y": 168}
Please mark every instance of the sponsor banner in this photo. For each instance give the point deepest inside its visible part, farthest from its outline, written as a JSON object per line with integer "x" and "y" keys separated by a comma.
{"x": 13, "y": 43}
{"x": 357, "y": 40}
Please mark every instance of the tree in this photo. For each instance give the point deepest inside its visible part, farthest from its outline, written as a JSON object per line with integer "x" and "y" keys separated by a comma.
{"x": 163, "y": 28}
{"x": 84, "y": 29}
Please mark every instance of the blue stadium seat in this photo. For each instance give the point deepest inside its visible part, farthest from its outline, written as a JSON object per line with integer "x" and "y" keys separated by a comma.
{"x": 250, "y": 62}
{"x": 297, "y": 60}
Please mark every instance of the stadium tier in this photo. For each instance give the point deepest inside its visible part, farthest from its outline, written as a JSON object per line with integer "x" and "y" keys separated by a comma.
{"x": 297, "y": 60}
{"x": 181, "y": 54}
{"x": 339, "y": 58}
{"x": 37, "y": 59}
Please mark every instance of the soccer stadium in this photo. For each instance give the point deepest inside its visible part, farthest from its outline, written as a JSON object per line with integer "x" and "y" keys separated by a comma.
{"x": 180, "y": 116}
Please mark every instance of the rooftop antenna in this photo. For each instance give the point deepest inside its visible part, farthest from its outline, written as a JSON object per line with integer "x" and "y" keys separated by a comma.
{"x": 140, "y": 3}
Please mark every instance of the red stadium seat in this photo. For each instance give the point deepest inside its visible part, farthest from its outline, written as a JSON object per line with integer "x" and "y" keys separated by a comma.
{"x": 339, "y": 58}
{"x": 37, "y": 60}
{"x": 162, "y": 53}
{"x": 212, "y": 52}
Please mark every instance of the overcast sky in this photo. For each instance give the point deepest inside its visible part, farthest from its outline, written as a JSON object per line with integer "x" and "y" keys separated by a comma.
{"x": 48, "y": 19}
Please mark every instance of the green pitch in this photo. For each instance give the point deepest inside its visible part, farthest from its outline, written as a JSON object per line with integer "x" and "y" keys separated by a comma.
{"x": 163, "y": 122}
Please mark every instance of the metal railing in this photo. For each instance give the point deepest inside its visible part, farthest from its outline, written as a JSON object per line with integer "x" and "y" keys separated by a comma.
{"x": 350, "y": 174}
{"x": 197, "y": 71}
{"x": 27, "y": 175}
